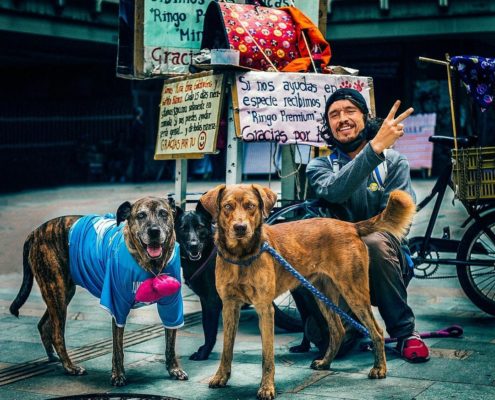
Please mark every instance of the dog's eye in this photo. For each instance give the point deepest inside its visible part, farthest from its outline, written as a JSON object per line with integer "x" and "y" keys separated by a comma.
{"x": 162, "y": 214}
{"x": 228, "y": 207}
{"x": 141, "y": 215}
{"x": 250, "y": 206}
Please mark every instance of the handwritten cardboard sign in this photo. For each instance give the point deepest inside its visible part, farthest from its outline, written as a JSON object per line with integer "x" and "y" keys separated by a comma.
{"x": 189, "y": 116}
{"x": 414, "y": 144}
{"x": 288, "y": 107}
{"x": 160, "y": 37}
{"x": 172, "y": 34}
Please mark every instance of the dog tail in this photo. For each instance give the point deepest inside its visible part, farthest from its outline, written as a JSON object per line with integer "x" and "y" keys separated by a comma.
{"x": 396, "y": 218}
{"x": 27, "y": 279}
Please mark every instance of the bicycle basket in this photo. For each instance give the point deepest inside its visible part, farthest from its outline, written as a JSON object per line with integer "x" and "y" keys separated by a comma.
{"x": 473, "y": 173}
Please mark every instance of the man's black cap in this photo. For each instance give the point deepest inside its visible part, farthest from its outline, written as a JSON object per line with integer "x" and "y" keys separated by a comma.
{"x": 352, "y": 95}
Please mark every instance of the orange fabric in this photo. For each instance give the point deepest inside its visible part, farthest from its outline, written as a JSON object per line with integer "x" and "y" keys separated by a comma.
{"x": 313, "y": 36}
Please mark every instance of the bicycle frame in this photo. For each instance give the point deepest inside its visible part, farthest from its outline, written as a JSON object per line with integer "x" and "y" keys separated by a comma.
{"x": 446, "y": 244}
{"x": 425, "y": 249}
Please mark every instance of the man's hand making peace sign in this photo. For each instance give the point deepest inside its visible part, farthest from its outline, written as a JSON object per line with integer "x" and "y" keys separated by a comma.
{"x": 391, "y": 130}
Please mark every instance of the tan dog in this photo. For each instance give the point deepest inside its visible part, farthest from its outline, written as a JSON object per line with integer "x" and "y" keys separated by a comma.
{"x": 327, "y": 252}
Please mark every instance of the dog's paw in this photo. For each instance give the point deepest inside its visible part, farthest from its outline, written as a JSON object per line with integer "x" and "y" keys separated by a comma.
{"x": 301, "y": 348}
{"x": 320, "y": 365}
{"x": 200, "y": 355}
{"x": 266, "y": 392}
{"x": 377, "y": 373}
{"x": 75, "y": 370}
{"x": 119, "y": 380}
{"x": 197, "y": 356}
{"x": 218, "y": 381}
{"x": 178, "y": 373}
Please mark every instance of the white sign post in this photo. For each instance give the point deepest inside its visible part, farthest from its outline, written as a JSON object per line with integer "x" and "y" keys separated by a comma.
{"x": 234, "y": 145}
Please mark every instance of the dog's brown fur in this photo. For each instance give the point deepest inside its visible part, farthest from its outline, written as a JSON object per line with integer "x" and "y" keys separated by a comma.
{"x": 46, "y": 256}
{"x": 328, "y": 252}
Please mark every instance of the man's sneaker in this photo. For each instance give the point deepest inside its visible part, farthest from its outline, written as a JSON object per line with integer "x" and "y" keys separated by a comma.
{"x": 413, "y": 349}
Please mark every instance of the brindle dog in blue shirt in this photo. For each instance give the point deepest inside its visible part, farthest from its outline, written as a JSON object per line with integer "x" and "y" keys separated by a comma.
{"x": 46, "y": 257}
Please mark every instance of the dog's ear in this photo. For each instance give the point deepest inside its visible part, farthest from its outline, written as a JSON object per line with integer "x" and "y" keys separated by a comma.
{"x": 177, "y": 212}
{"x": 171, "y": 201}
{"x": 123, "y": 212}
{"x": 209, "y": 200}
{"x": 200, "y": 209}
{"x": 268, "y": 198}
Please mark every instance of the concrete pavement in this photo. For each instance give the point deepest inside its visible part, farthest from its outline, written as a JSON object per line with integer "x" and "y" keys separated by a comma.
{"x": 461, "y": 368}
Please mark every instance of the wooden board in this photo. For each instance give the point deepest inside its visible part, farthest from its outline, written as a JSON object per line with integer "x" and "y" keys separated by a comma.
{"x": 190, "y": 110}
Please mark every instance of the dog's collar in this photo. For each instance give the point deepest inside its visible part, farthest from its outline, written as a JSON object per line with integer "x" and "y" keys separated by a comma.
{"x": 200, "y": 270}
{"x": 248, "y": 261}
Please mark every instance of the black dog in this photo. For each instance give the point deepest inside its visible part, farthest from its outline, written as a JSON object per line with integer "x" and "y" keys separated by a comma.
{"x": 194, "y": 234}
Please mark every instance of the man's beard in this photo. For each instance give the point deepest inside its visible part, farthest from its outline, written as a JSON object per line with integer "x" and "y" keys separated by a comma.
{"x": 351, "y": 146}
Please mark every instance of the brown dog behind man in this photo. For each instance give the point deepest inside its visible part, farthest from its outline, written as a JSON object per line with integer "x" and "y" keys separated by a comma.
{"x": 112, "y": 260}
{"x": 328, "y": 252}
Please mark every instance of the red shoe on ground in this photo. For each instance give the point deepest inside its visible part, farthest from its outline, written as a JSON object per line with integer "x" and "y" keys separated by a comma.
{"x": 413, "y": 349}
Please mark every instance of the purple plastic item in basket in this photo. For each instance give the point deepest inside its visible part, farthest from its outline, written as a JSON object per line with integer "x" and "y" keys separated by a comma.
{"x": 478, "y": 73}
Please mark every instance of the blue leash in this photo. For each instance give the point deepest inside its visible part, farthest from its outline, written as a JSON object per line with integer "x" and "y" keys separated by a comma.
{"x": 283, "y": 262}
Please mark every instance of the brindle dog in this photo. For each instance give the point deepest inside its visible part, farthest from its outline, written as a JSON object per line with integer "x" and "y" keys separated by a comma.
{"x": 149, "y": 237}
{"x": 328, "y": 252}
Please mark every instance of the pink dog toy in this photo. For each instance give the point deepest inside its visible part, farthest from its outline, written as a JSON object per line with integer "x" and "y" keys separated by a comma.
{"x": 153, "y": 289}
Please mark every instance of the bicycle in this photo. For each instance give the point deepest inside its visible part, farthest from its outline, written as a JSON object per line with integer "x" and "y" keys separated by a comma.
{"x": 475, "y": 251}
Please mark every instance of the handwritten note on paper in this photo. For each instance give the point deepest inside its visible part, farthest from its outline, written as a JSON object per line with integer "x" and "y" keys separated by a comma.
{"x": 288, "y": 107}
{"x": 189, "y": 115}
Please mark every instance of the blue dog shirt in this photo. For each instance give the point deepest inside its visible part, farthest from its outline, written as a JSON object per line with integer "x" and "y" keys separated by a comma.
{"x": 101, "y": 263}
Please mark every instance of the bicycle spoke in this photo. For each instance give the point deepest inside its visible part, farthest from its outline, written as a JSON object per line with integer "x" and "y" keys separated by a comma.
{"x": 487, "y": 245}
{"x": 477, "y": 276}
{"x": 486, "y": 285}
{"x": 484, "y": 276}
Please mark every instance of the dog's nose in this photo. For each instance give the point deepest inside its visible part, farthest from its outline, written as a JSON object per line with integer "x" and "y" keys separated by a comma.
{"x": 240, "y": 228}
{"x": 154, "y": 231}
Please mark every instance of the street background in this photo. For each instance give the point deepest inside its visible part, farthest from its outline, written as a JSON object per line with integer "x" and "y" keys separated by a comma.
{"x": 460, "y": 368}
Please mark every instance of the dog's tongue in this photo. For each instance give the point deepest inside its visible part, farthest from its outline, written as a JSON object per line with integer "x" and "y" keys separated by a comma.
{"x": 154, "y": 251}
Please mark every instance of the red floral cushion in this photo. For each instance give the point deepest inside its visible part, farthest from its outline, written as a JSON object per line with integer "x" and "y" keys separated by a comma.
{"x": 273, "y": 30}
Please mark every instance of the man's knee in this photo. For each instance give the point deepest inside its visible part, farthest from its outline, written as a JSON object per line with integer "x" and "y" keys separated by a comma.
{"x": 384, "y": 257}
{"x": 378, "y": 245}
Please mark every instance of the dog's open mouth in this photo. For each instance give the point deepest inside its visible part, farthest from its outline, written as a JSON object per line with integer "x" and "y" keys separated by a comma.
{"x": 154, "y": 250}
{"x": 194, "y": 256}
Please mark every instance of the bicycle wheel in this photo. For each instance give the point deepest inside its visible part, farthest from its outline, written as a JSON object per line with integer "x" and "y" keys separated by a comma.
{"x": 478, "y": 281}
{"x": 286, "y": 314}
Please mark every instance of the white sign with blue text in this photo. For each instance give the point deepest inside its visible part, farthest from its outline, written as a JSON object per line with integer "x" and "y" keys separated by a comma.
{"x": 288, "y": 107}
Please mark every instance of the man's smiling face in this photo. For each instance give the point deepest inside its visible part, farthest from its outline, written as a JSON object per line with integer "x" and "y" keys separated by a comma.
{"x": 346, "y": 120}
